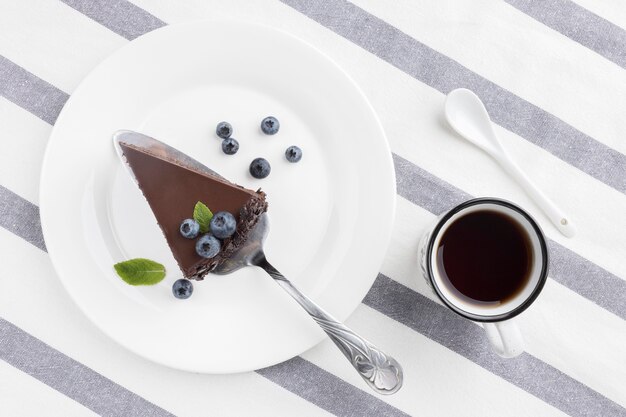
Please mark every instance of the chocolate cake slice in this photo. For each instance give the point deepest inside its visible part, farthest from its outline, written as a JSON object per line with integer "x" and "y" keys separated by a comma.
{"x": 172, "y": 186}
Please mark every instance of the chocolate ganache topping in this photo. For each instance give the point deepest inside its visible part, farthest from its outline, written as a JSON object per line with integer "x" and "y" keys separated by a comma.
{"x": 172, "y": 191}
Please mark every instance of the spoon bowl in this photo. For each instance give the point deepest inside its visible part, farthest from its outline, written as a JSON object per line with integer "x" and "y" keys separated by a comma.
{"x": 467, "y": 115}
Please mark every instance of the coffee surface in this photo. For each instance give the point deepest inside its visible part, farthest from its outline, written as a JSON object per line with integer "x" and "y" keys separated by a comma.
{"x": 485, "y": 257}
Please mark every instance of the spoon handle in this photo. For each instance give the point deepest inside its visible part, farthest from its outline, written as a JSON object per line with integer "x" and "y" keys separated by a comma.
{"x": 380, "y": 371}
{"x": 562, "y": 222}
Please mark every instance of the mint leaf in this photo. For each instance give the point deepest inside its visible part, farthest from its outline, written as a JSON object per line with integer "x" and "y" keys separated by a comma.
{"x": 140, "y": 271}
{"x": 203, "y": 216}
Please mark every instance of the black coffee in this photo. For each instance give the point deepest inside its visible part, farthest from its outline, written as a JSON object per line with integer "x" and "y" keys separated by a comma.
{"x": 485, "y": 257}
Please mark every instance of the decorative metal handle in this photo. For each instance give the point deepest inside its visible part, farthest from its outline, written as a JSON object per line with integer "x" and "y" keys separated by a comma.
{"x": 379, "y": 370}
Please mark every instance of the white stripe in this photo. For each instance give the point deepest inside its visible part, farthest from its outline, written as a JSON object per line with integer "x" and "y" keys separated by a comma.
{"x": 522, "y": 55}
{"x": 54, "y": 41}
{"x": 51, "y": 316}
{"x": 561, "y": 328}
{"x": 24, "y": 396}
{"x": 437, "y": 380}
{"x": 23, "y": 145}
{"x": 611, "y": 10}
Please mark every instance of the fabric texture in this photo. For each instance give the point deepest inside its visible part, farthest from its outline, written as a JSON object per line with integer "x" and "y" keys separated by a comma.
{"x": 552, "y": 75}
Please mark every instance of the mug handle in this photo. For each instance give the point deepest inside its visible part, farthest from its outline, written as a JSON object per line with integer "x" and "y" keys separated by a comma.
{"x": 505, "y": 338}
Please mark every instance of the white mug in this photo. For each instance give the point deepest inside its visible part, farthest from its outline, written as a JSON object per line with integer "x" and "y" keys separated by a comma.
{"x": 501, "y": 330}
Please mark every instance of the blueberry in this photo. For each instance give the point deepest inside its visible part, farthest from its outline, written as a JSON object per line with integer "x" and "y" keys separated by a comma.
{"x": 189, "y": 228}
{"x": 223, "y": 225}
{"x": 270, "y": 125}
{"x": 260, "y": 168}
{"x": 208, "y": 246}
{"x": 224, "y": 130}
{"x": 230, "y": 146}
{"x": 182, "y": 288}
{"x": 293, "y": 154}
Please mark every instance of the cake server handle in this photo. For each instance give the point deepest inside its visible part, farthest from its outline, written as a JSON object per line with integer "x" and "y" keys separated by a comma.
{"x": 380, "y": 371}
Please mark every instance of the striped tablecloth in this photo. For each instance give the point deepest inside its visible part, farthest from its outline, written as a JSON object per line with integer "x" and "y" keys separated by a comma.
{"x": 553, "y": 76}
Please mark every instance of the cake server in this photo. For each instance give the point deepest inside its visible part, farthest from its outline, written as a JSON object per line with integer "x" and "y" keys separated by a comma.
{"x": 379, "y": 370}
{"x": 469, "y": 118}
{"x": 156, "y": 147}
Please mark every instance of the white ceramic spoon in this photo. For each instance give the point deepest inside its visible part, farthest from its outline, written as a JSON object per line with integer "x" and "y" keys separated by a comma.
{"x": 469, "y": 118}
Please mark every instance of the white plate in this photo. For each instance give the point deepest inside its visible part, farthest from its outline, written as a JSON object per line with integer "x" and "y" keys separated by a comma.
{"x": 331, "y": 214}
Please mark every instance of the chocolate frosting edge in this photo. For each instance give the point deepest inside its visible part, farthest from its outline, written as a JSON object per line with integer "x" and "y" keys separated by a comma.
{"x": 248, "y": 218}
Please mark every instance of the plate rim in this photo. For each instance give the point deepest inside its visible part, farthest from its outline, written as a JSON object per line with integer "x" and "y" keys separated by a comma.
{"x": 386, "y": 159}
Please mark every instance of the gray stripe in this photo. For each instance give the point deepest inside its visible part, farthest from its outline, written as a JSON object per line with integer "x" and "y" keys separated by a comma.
{"x": 461, "y": 336}
{"x": 326, "y": 390}
{"x": 580, "y": 25}
{"x": 20, "y": 217}
{"x": 422, "y": 188}
{"x": 444, "y": 74}
{"x": 587, "y": 279}
{"x": 30, "y": 92}
{"x": 75, "y": 380}
{"x": 566, "y": 267}
{"x": 120, "y": 16}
